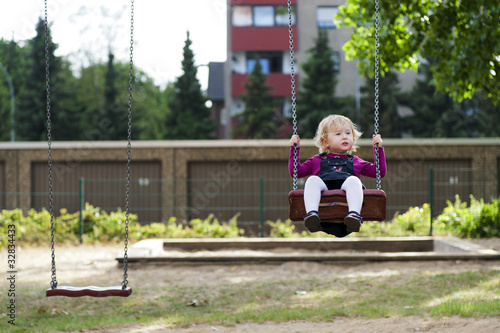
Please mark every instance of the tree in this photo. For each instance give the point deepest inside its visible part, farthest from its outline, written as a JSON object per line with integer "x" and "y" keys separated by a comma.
{"x": 9, "y": 52}
{"x": 189, "y": 118}
{"x": 488, "y": 116}
{"x": 435, "y": 114}
{"x": 31, "y": 114}
{"x": 461, "y": 35}
{"x": 317, "y": 89}
{"x": 115, "y": 116}
{"x": 67, "y": 115}
{"x": 13, "y": 57}
{"x": 258, "y": 119}
{"x": 148, "y": 104}
{"x": 90, "y": 96}
{"x": 390, "y": 125}
{"x": 150, "y": 108}
{"x": 431, "y": 109}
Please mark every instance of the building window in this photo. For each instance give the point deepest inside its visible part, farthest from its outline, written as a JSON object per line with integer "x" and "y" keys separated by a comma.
{"x": 336, "y": 61}
{"x": 242, "y": 16}
{"x": 281, "y": 15}
{"x": 271, "y": 62}
{"x": 264, "y": 64}
{"x": 325, "y": 17}
{"x": 261, "y": 16}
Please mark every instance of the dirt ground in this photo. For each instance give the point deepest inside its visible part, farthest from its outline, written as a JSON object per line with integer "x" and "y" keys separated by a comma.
{"x": 77, "y": 265}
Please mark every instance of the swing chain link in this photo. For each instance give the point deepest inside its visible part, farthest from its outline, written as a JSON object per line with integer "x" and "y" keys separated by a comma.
{"x": 292, "y": 84}
{"x": 53, "y": 282}
{"x": 376, "y": 130}
{"x": 129, "y": 146}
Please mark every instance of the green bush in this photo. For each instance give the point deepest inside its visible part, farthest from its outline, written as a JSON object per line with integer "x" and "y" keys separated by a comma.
{"x": 211, "y": 228}
{"x": 480, "y": 220}
{"x": 282, "y": 229}
{"x": 98, "y": 225}
{"x": 413, "y": 222}
{"x": 35, "y": 226}
{"x": 477, "y": 221}
{"x": 489, "y": 221}
{"x": 457, "y": 218}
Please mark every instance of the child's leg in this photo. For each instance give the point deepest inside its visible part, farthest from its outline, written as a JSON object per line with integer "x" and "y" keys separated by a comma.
{"x": 312, "y": 196}
{"x": 354, "y": 193}
{"x": 312, "y": 193}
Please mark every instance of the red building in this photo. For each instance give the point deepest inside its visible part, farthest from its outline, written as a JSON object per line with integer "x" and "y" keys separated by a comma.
{"x": 258, "y": 31}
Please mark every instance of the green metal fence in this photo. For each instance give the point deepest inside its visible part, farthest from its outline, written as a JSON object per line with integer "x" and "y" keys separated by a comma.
{"x": 254, "y": 200}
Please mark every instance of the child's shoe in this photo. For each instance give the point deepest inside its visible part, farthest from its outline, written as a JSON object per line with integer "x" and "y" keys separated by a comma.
{"x": 353, "y": 222}
{"x": 313, "y": 222}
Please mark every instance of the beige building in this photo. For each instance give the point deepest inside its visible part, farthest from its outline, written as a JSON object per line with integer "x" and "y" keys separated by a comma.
{"x": 258, "y": 31}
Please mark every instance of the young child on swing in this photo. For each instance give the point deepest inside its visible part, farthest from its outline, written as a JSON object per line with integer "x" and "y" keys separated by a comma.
{"x": 335, "y": 168}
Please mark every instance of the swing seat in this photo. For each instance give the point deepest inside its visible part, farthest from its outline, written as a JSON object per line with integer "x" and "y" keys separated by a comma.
{"x": 91, "y": 291}
{"x": 333, "y": 205}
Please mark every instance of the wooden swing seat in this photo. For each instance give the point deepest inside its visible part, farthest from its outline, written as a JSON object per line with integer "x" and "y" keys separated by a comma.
{"x": 91, "y": 291}
{"x": 333, "y": 205}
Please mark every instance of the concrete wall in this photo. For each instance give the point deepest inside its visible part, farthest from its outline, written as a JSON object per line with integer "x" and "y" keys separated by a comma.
{"x": 407, "y": 158}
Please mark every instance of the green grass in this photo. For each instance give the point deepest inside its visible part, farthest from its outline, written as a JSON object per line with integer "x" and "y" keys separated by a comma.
{"x": 468, "y": 294}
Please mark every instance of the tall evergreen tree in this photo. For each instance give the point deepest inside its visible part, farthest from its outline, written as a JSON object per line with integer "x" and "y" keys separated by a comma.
{"x": 436, "y": 114}
{"x": 148, "y": 105}
{"x": 432, "y": 110}
{"x": 488, "y": 116}
{"x": 5, "y": 105}
{"x": 317, "y": 89}
{"x": 189, "y": 118}
{"x": 67, "y": 115}
{"x": 258, "y": 119}
{"x": 114, "y": 117}
{"x": 90, "y": 87}
{"x": 390, "y": 125}
{"x": 31, "y": 114}
{"x": 150, "y": 108}
{"x": 13, "y": 57}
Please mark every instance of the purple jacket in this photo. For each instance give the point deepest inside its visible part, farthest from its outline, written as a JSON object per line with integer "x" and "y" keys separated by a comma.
{"x": 312, "y": 165}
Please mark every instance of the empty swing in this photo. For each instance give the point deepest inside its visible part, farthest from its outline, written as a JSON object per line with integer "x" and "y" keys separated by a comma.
{"x": 333, "y": 204}
{"x": 122, "y": 290}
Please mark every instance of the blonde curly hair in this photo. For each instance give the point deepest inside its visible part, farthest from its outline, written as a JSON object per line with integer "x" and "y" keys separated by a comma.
{"x": 329, "y": 124}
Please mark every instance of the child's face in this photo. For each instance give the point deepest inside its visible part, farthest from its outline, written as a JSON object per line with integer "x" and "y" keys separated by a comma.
{"x": 339, "y": 139}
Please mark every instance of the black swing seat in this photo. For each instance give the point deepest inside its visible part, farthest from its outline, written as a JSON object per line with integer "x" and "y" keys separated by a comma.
{"x": 333, "y": 205}
{"x": 91, "y": 291}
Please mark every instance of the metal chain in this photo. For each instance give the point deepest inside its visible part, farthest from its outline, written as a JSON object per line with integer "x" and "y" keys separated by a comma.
{"x": 375, "y": 130}
{"x": 53, "y": 282}
{"x": 292, "y": 84}
{"x": 129, "y": 146}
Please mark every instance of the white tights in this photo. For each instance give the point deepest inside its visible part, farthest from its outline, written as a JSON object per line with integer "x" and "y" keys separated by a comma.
{"x": 352, "y": 187}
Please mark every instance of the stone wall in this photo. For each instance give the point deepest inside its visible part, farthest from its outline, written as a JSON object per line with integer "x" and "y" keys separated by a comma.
{"x": 405, "y": 157}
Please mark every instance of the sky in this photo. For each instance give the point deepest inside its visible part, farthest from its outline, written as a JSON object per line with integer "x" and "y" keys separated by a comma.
{"x": 84, "y": 29}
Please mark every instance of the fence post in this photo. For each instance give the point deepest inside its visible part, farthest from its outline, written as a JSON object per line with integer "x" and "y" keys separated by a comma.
{"x": 261, "y": 207}
{"x": 431, "y": 197}
{"x": 80, "y": 194}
